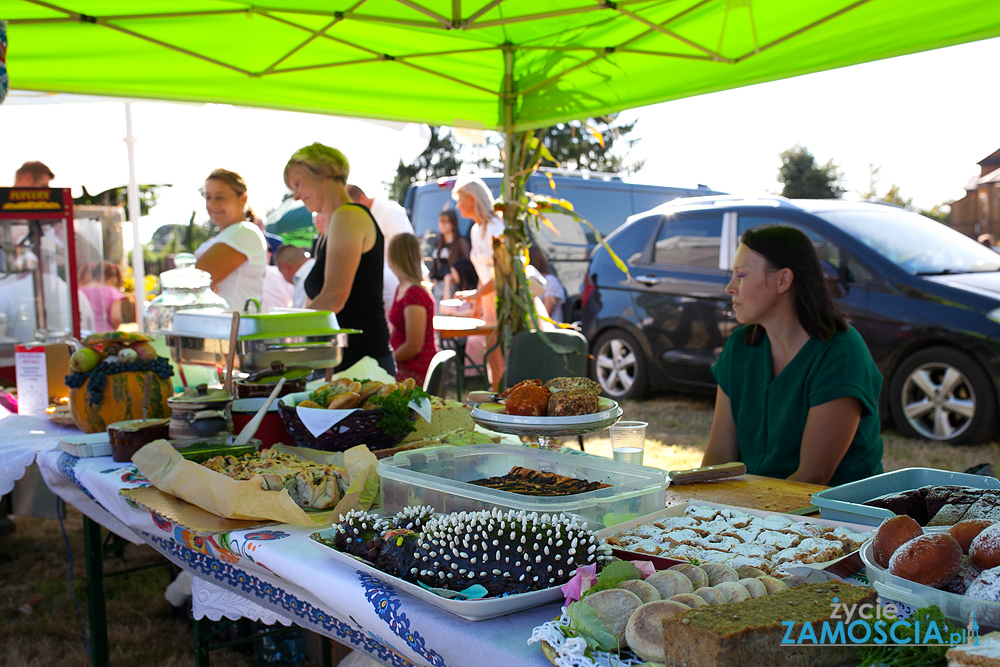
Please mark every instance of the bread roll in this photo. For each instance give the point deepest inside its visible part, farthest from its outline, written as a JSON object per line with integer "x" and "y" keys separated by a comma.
{"x": 669, "y": 583}
{"x": 614, "y": 607}
{"x": 749, "y": 571}
{"x": 689, "y": 599}
{"x": 646, "y": 592}
{"x": 711, "y": 595}
{"x": 719, "y": 572}
{"x": 773, "y": 585}
{"x": 693, "y": 572}
{"x": 644, "y": 631}
{"x": 735, "y": 591}
{"x": 754, "y": 586}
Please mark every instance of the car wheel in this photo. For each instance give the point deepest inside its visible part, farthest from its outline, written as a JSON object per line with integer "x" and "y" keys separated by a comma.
{"x": 942, "y": 394}
{"x": 619, "y": 365}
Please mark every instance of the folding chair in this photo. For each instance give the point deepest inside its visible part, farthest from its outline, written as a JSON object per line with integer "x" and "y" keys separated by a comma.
{"x": 531, "y": 356}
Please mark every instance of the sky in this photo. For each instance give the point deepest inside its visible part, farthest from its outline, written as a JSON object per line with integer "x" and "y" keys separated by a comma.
{"x": 924, "y": 120}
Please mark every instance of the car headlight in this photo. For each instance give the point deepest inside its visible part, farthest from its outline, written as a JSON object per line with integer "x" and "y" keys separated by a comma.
{"x": 994, "y": 315}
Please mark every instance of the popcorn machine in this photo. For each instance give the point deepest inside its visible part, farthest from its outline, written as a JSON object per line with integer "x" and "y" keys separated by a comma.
{"x": 39, "y": 300}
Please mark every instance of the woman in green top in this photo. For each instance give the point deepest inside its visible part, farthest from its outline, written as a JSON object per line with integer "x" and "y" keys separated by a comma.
{"x": 798, "y": 389}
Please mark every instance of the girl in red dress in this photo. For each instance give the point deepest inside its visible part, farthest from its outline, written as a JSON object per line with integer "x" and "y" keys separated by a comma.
{"x": 412, "y": 314}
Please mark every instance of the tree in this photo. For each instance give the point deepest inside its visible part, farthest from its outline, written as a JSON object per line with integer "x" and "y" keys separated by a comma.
{"x": 596, "y": 144}
{"x": 148, "y": 194}
{"x": 439, "y": 159}
{"x": 804, "y": 179}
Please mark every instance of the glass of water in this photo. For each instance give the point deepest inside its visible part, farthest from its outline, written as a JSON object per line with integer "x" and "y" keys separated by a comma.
{"x": 628, "y": 439}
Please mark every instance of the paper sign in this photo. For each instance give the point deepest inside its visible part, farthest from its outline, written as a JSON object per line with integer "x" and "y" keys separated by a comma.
{"x": 32, "y": 380}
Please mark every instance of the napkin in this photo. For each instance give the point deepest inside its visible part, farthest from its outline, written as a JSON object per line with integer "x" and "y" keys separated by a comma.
{"x": 318, "y": 421}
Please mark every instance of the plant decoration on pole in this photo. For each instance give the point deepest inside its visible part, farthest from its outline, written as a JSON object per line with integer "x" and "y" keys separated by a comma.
{"x": 523, "y": 212}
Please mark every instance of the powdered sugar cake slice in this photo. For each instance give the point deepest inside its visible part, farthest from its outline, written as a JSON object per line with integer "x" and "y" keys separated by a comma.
{"x": 711, "y": 532}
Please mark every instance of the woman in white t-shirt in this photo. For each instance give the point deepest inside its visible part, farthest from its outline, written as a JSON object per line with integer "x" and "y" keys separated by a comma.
{"x": 236, "y": 257}
{"x": 474, "y": 200}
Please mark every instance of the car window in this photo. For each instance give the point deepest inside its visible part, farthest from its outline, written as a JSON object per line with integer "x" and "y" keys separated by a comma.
{"x": 829, "y": 252}
{"x": 913, "y": 242}
{"x": 605, "y": 206}
{"x": 629, "y": 242}
{"x": 689, "y": 241}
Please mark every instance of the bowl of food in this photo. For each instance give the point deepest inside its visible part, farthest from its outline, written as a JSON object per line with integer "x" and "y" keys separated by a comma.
{"x": 345, "y": 413}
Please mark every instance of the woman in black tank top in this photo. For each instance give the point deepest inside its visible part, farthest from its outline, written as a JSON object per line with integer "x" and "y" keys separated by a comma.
{"x": 347, "y": 276}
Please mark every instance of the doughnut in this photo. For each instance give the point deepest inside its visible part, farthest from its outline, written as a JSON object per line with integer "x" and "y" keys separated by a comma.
{"x": 966, "y": 531}
{"x": 644, "y": 631}
{"x": 646, "y": 592}
{"x": 773, "y": 585}
{"x": 932, "y": 559}
{"x": 614, "y": 607}
{"x": 719, "y": 572}
{"x": 986, "y": 586}
{"x": 755, "y": 587}
{"x": 966, "y": 575}
{"x": 985, "y": 548}
{"x": 891, "y": 534}
{"x": 693, "y": 572}
{"x": 690, "y": 599}
{"x": 734, "y": 591}
{"x": 669, "y": 583}
{"x": 712, "y": 595}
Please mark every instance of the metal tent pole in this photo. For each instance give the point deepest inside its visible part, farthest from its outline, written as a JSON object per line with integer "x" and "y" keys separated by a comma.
{"x": 138, "y": 265}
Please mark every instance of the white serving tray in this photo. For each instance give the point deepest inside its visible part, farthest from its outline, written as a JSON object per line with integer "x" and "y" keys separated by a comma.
{"x": 678, "y": 510}
{"x": 495, "y": 413}
{"x": 470, "y": 610}
{"x": 87, "y": 446}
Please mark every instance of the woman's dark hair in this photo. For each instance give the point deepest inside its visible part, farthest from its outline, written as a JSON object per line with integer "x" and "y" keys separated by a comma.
{"x": 456, "y": 247}
{"x": 789, "y": 248}
{"x": 467, "y": 276}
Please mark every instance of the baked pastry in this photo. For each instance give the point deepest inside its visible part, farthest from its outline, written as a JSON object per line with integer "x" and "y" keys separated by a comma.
{"x": 310, "y": 484}
{"x": 966, "y": 531}
{"x": 932, "y": 560}
{"x": 984, "y": 550}
{"x": 572, "y": 402}
{"x": 750, "y": 632}
{"x": 986, "y": 653}
{"x": 528, "y": 482}
{"x": 614, "y": 607}
{"x": 986, "y": 586}
{"x": 569, "y": 383}
{"x": 942, "y": 505}
{"x": 529, "y": 400}
{"x": 892, "y": 533}
{"x": 644, "y": 631}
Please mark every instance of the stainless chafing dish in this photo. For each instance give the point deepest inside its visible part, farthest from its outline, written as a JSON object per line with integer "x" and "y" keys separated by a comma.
{"x": 293, "y": 336}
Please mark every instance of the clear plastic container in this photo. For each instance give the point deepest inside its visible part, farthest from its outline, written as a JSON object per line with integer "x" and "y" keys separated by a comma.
{"x": 956, "y": 608}
{"x": 845, "y": 502}
{"x": 183, "y": 287}
{"x": 439, "y": 476}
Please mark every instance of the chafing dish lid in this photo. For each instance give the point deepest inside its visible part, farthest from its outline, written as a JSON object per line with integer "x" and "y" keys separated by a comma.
{"x": 201, "y": 394}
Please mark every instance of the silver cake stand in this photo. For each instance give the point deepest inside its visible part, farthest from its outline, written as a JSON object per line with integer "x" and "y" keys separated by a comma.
{"x": 491, "y": 416}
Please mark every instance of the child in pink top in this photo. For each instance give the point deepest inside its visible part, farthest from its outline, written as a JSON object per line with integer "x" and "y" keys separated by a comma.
{"x": 411, "y": 316}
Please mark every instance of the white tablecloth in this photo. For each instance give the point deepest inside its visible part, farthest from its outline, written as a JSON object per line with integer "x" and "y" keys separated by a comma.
{"x": 286, "y": 577}
{"x": 21, "y": 438}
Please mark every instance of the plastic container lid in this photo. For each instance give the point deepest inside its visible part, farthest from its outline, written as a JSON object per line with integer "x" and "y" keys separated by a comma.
{"x": 845, "y": 502}
{"x": 439, "y": 476}
{"x": 202, "y": 394}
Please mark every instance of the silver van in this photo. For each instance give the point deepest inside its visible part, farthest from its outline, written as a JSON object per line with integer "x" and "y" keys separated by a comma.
{"x": 604, "y": 200}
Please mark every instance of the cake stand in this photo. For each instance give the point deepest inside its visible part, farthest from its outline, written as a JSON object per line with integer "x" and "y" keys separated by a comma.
{"x": 493, "y": 417}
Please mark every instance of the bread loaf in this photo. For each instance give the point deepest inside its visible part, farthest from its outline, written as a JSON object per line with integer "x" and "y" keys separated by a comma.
{"x": 751, "y": 632}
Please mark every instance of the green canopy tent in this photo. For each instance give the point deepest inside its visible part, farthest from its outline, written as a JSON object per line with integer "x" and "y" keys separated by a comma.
{"x": 505, "y": 65}
{"x": 508, "y": 65}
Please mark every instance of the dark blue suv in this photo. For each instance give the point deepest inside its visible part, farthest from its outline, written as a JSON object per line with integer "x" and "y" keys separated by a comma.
{"x": 925, "y": 297}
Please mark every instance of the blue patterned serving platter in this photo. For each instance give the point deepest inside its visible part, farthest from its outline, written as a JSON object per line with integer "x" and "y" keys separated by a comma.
{"x": 471, "y": 610}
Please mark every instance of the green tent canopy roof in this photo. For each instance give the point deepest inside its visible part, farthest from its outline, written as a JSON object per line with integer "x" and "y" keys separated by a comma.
{"x": 500, "y": 64}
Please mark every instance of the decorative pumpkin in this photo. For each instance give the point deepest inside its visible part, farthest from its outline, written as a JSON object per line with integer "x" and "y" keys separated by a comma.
{"x": 121, "y": 400}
